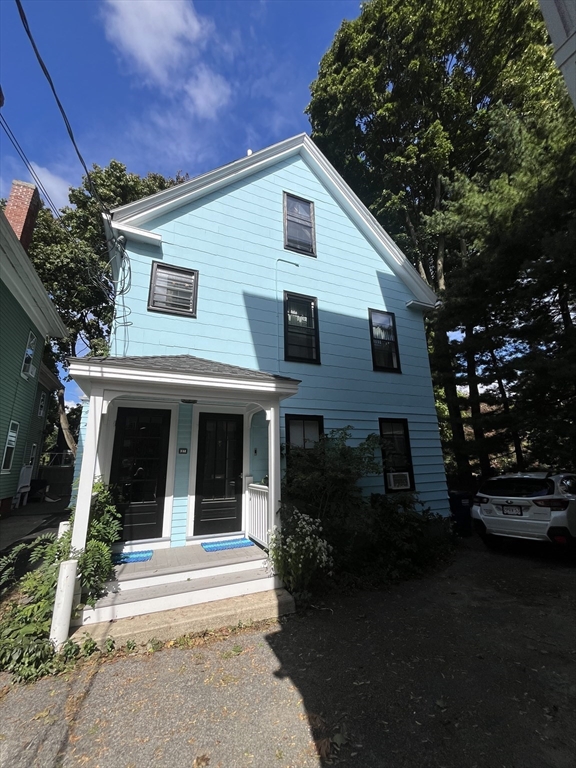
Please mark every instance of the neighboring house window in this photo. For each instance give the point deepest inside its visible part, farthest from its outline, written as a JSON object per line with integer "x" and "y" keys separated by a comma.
{"x": 33, "y": 454}
{"x": 301, "y": 337}
{"x": 10, "y": 446}
{"x": 385, "y": 356}
{"x": 299, "y": 225}
{"x": 303, "y": 431}
{"x": 42, "y": 405}
{"x": 27, "y": 367}
{"x": 396, "y": 455}
{"x": 173, "y": 290}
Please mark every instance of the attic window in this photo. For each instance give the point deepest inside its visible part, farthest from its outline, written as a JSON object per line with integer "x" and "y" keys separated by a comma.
{"x": 173, "y": 290}
{"x": 299, "y": 225}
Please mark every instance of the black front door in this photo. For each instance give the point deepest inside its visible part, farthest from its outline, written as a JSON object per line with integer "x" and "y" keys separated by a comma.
{"x": 219, "y": 474}
{"x": 138, "y": 471}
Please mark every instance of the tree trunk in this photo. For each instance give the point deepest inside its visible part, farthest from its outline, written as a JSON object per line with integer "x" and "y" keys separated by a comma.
{"x": 474, "y": 399}
{"x": 70, "y": 442}
{"x": 506, "y": 407}
{"x": 447, "y": 380}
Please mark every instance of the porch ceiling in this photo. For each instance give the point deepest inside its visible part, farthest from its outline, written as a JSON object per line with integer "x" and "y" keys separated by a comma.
{"x": 178, "y": 376}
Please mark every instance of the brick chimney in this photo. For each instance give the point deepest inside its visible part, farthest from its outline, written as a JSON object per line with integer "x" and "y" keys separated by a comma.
{"x": 22, "y": 210}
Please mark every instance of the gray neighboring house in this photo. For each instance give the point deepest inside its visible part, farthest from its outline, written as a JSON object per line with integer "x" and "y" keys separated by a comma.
{"x": 28, "y": 320}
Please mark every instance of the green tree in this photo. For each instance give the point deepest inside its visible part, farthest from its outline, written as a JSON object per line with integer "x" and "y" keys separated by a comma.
{"x": 71, "y": 256}
{"x": 402, "y": 106}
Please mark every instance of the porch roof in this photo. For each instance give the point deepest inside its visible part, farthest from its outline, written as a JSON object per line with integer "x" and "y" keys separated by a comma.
{"x": 177, "y": 371}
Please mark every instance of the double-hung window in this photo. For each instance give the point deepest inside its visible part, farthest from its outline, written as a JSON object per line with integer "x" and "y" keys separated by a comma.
{"x": 27, "y": 367}
{"x": 299, "y": 225}
{"x": 396, "y": 455}
{"x": 42, "y": 405}
{"x": 303, "y": 431}
{"x": 10, "y": 446}
{"x": 301, "y": 337}
{"x": 385, "y": 355}
{"x": 173, "y": 290}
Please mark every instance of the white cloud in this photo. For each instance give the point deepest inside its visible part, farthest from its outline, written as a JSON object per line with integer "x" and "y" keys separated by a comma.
{"x": 56, "y": 186}
{"x": 158, "y": 37}
{"x": 208, "y": 92}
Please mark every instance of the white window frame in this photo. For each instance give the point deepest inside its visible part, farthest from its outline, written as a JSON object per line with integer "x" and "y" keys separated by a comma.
{"x": 11, "y": 440}
{"x": 27, "y": 367}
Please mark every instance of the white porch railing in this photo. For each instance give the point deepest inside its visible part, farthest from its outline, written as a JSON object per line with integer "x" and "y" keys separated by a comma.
{"x": 257, "y": 517}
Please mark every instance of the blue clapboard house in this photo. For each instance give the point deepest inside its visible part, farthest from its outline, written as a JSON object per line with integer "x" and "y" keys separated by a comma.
{"x": 258, "y": 304}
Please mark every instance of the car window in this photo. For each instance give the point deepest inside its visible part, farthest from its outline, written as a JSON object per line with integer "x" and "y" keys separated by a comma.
{"x": 567, "y": 485}
{"x": 518, "y": 486}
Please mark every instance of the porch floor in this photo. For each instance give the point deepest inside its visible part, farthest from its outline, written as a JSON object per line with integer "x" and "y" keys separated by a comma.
{"x": 189, "y": 558}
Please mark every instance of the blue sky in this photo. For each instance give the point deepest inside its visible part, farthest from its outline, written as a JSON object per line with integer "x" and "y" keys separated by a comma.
{"x": 160, "y": 85}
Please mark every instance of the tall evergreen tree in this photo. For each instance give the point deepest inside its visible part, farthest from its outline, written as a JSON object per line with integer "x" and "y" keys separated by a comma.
{"x": 403, "y": 107}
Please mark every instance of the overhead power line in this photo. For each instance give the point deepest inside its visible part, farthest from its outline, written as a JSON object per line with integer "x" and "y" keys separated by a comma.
{"x": 93, "y": 190}
{"x": 15, "y": 143}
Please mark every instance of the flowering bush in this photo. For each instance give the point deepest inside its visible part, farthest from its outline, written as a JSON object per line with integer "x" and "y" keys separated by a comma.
{"x": 298, "y": 552}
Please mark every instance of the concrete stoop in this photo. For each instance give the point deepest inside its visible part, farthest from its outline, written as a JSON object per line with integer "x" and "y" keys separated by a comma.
{"x": 191, "y": 619}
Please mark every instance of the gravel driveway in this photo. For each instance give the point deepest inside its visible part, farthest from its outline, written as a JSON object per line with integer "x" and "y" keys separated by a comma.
{"x": 474, "y": 666}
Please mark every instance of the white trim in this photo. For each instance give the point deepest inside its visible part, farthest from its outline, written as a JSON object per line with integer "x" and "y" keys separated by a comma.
{"x": 88, "y": 371}
{"x": 135, "y": 233}
{"x": 193, "y": 470}
{"x": 23, "y": 282}
{"x": 145, "y": 210}
{"x": 108, "y": 441}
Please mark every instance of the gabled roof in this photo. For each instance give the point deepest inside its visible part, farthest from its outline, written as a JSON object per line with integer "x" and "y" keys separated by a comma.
{"x": 24, "y": 284}
{"x": 130, "y": 220}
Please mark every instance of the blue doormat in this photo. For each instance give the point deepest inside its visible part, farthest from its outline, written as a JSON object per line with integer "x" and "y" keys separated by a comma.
{"x": 132, "y": 557}
{"x": 216, "y": 546}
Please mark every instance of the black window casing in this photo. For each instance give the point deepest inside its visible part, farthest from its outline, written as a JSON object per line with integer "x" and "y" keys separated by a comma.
{"x": 408, "y": 465}
{"x": 375, "y": 365}
{"x": 158, "y": 265}
{"x": 291, "y": 246}
{"x": 315, "y": 332}
{"x": 290, "y": 417}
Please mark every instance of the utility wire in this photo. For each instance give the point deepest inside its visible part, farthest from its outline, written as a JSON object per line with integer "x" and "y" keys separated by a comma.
{"x": 93, "y": 189}
{"x": 15, "y": 143}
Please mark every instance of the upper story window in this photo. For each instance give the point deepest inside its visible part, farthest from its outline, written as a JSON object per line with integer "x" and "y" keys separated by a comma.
{"x": 42, "y": 405}
{"x": 173, "y": 290}
{"x": 27, "y": 368}
{"x": 301, "y": 337}
{"x": 303, "y": 431}
{"x": 385, "y": 355}
{"x": 10, "y": 446}
{"x": 299, "y": 225}
{"x": 396, "y": 455}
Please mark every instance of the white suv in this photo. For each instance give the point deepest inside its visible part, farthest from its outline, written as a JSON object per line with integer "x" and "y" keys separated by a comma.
{"x": 532, "y": 505}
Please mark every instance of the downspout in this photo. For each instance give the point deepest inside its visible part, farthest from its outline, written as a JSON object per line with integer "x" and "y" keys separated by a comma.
{"x": 279, "y": 305}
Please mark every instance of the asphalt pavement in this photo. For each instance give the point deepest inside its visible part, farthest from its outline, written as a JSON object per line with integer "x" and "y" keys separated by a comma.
{"x": 472, "y": 667}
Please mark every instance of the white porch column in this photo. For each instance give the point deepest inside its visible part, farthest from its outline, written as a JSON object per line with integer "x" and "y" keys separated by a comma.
{"x": 273, "y": 418}
{"x": 89, "y": 463}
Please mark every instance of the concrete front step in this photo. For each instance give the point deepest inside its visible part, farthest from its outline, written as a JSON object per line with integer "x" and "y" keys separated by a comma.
{"x": 170, "y": 624}
{"x": 162, "y": 597}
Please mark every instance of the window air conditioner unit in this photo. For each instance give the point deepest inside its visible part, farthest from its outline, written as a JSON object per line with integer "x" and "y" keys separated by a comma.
{"x": 398, "y": 481}
{"x": 32, "y": 371}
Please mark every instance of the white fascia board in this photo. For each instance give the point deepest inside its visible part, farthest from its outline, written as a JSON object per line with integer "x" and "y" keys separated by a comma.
{"x": 23, "y": 282}
{"x": 151, "y": 207}
{"x": 135, "y": 233}
{"x": 368, "y": 225}
{"x": 88, "y": 374}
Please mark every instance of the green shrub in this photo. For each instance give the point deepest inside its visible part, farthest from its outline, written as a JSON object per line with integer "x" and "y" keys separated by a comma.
{"x": 298, "y": 551}
{"x": 25, "y": 649}
{"x": 373, "y": 540}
